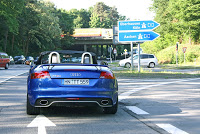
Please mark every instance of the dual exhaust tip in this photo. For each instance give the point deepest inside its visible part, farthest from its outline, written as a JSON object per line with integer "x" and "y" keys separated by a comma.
{"x": 104, "y": 102}
{"x": 46, "y": 102}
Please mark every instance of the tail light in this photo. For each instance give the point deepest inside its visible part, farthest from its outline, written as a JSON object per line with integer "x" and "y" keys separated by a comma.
{"x": 40, "y": 75}
{"x": 107, "y": 75}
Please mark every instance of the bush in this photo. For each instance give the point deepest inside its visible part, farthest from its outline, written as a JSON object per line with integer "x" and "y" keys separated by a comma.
{"x": 168, "y": 55}
{"x": 159, "y": 44}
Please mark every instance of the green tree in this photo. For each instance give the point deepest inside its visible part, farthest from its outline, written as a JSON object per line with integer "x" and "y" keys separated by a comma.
{"x": 185, "y": 15}
{"x": 66, "y": 22}
{"x": 103, "y": 16}
{"x": 40, "y": 27}
{"x": 81, "y": 18}
{"x": 9, "y": 12}
{"x": 179, "y": 22}
{"x": 95, "y": 21}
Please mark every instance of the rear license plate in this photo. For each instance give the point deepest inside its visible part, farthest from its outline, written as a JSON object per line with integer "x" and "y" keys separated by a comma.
{"x": 76, "y": 82}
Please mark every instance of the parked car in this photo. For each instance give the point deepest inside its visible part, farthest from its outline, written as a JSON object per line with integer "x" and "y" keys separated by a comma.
{"x": 4, "y": 60}
{"x": 35, "y": 59}
{"x": 128, "y": 54}
{"x": 19, "y": 59}
{"x": 148, "y": 60}
{"x": 11, "y": 60}
{"x": 70, "y": 78}
{"x": 29, "y": 59}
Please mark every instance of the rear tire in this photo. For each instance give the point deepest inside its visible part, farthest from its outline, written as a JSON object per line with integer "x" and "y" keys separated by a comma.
{"x": 127, "y": 65}
{"x": 7, "y": 65}
{"x": 111, "y": 110}
{"x": 31, "y": 110}
{"x": 151, "y": 65}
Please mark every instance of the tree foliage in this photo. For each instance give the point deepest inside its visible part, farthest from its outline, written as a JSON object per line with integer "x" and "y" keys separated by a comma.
{"x": 179, "y": 22}
{"x": 9, "y": 12}
{"x": 103, "y": 16}
{"x": 29, "y": 27}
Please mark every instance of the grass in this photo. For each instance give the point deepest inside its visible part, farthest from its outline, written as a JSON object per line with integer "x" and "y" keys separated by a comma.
{"x": 158, "y": 75}
{"x": 180, "y": 66}
{"x": 148, "y": 74}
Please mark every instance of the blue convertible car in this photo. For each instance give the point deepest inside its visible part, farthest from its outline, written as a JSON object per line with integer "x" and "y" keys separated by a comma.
{"x": 70, "y": 78}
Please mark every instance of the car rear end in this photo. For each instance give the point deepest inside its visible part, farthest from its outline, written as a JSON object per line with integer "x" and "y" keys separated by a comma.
{"x": 72, "y": 85}
{"x": 155, "y": 60}
{"x": 152, "y": 61}
{"x": 4, "y": 60}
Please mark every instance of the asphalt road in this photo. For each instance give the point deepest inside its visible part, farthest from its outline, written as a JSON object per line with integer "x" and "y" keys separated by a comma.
{"x": 146, "y": 107}
{"x": 13, "y": 71}
{"x": 171, "y": 104}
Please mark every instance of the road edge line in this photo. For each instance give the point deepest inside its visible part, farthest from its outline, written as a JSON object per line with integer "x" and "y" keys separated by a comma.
{"x": 145, "y": 121}
{"x": 12, "y": 77}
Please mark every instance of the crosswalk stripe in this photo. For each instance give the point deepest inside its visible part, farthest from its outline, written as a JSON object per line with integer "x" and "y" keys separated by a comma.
{"x": 171, "y": 129}
{"x": 136, "y": 110}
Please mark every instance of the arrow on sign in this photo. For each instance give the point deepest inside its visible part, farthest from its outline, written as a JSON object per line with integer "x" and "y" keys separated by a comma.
{"x": 137, "y": 36}
{"x": 41, "y": 122}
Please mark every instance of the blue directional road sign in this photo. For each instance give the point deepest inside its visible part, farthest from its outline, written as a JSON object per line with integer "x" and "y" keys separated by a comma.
{"x": 137, "y": 36}
{"x": 137, "y": 25}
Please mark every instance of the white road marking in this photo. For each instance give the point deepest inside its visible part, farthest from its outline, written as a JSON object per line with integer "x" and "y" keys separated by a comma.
{"x": 125, "y": 95}
{"x": 167, "y": 127}
{"x": 12, "y": 77}
{"x": 41, "y": 122}
{"x": 171, "y": 129}
{"x": 136, "y": 110}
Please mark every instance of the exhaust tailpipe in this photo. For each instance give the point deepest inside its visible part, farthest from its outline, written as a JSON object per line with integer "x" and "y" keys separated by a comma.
{"x": 44, "y": 102}
{"x": 104, "y": 102}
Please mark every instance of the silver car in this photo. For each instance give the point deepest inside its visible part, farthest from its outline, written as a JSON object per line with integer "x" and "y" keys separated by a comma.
{"x": 148, "y": 60}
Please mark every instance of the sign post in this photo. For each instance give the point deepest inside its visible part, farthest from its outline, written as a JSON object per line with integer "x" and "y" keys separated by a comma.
{"x": 184, "y": 50}
{"x": 137, "y": 31}
{"x": 131, "y": 56}
{"x": 110, "y": 50}
{"x": 139, "y": 57}
{"x": 177, "y": 53}
{"x": 125, "y": 52}
{"x": 115, "y": 53}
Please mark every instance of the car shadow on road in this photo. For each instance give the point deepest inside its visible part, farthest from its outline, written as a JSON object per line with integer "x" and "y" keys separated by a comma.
{"x": 153, "y": 107}
{"x": 71, "y": 111}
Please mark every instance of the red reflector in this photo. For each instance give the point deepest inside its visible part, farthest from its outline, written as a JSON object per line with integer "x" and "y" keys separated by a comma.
{"x": 72, "y": 98}
{"x": 107, "y": 75}
{"x": 40, "y": 75}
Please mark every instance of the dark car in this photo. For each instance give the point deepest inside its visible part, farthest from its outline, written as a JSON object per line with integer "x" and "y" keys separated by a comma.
{"x": 29, "y": 58}
{"x": 4, "y": 60}
{"x": 70, "y": 78}
{"x": 19, "y": 59}
{"x": 35, "y": 59}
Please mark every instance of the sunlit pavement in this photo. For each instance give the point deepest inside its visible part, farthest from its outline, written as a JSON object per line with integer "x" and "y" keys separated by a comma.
{"x": 167, "y": 104}
{"x": 13, "y": 71}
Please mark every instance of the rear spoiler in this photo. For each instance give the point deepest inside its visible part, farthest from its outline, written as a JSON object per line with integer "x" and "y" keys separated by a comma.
{"x": 74, "y": 65}
{"x": 51, "y": 66}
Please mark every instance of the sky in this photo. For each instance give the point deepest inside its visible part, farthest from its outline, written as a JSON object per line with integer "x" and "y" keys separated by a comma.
{"x": 133, "y": 9}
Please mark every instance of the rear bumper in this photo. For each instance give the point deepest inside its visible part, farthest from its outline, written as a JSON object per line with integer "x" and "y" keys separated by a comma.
{"x": 73, "y": 97}
{"x": 47, "y": 102}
